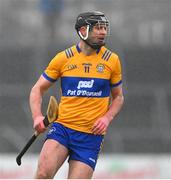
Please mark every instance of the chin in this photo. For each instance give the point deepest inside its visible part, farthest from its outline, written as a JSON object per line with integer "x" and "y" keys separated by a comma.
{"x": 101, "y": 43}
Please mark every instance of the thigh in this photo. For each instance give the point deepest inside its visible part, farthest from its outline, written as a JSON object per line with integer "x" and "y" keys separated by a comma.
{"x": 79, "y": 170}
{"x": 85, "y": 148}
{"x": 52, "y": 156}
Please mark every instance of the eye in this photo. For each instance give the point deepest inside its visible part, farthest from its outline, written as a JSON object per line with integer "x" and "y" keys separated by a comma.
{"x": 104, "y": 27}
{"x": 100, "y": 27}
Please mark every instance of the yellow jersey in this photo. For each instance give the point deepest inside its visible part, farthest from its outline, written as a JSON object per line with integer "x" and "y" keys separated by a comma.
{"x": 86, "y": 82}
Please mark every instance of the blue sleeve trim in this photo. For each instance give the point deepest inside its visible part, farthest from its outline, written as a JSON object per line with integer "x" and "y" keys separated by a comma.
{"x": 48, "y": 78}
{"x": 117, "y": 84}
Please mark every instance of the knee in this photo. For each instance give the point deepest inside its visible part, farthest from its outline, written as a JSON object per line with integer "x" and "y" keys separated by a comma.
{"x": 42, "y": 174}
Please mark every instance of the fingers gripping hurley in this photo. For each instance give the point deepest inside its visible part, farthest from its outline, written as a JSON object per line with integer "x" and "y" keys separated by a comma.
{"x": 51, "y": 116}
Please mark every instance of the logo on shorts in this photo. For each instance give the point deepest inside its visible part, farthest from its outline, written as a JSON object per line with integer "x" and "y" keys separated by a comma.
{"x": 93, "y": 160}
{"x": 53, "y": 129}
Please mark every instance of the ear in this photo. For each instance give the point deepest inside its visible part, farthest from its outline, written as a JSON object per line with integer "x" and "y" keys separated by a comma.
{"x": 83, "y": 30}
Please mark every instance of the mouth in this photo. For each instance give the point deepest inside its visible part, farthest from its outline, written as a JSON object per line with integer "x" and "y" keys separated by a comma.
{"x": 101, "y": 39}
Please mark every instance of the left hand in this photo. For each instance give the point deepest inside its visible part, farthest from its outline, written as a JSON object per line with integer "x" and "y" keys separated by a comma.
{"x": 100, "y": 126}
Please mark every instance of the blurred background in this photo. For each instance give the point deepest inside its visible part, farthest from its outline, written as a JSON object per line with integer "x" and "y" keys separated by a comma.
{"x": 32, "y": 32}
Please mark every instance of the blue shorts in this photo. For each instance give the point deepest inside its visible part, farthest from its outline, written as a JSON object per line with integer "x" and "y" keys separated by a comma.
{"x": 82, "y": 146}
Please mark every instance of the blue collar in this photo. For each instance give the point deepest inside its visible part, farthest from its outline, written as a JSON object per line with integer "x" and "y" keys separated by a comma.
{"x": 79, "y": 50}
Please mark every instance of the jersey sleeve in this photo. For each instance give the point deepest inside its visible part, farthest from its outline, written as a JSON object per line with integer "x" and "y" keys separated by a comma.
{"x": 116, "y": 77}
{"x": 53, "y": 70}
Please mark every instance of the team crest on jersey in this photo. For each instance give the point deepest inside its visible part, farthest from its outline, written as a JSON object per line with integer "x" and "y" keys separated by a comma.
{"x": 72, "y": 66}
{"x": 100, "y": 68}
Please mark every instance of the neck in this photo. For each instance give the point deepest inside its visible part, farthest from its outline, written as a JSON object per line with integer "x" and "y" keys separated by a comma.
{"x": 86, "y": 49}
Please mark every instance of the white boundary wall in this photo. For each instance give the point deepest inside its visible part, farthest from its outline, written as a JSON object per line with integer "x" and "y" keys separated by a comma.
{"x": 109, "y": 166}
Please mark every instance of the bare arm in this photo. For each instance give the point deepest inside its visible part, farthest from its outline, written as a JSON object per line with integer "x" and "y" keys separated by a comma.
{"x": 103, "y": 122}
{"x": 36, "y": 95}
{"x": 117, "y": 103}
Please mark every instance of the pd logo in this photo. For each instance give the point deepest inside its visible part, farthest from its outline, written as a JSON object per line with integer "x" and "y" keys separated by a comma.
{"x": 85, "y": 84}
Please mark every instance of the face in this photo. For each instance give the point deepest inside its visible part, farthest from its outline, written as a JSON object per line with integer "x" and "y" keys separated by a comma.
{"x": 98, "y": 34}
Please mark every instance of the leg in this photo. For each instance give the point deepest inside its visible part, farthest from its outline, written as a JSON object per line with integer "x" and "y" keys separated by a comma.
{"x": 79, "y": 170}
{"x": 83, "y": 155}
{"x": 52, "y": 156}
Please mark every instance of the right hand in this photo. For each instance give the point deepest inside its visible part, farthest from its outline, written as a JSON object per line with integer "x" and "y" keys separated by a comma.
{"x": 39, "y": 125}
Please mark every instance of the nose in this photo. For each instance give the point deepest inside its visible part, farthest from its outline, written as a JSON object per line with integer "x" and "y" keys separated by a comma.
{"x": 103, "y": 31}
